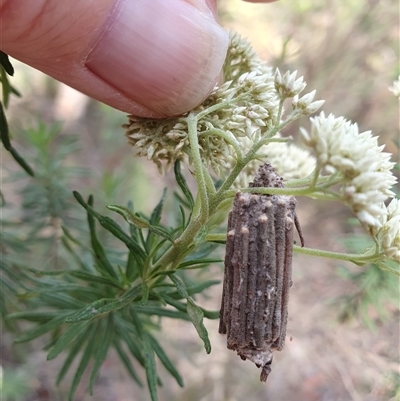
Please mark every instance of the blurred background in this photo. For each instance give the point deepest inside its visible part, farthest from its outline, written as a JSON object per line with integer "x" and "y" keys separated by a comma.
{"x": 343, "y": 330}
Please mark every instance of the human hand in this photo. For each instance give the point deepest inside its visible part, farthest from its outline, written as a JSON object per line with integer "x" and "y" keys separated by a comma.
{"x": 150, "y": 58}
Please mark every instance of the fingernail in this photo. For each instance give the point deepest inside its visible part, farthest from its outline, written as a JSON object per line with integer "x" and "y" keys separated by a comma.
{"x": 165, "y": 55}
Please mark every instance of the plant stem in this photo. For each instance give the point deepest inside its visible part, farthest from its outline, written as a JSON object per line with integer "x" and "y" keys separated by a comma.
{"x": 292, "y": 191}
{"x": 198, "y": 164}
{"x": 351, "y": 257}
{"x": 228, "y": 138}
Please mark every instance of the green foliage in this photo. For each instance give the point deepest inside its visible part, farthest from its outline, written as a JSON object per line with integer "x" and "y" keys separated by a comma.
{"x": 13, "y": 384}
{"x": 376, "y": 294}
{"x": 7, "y": 68}
{"x": 393, "y": 386}
{"x": 87, "y": 304}
{"x": 92, "y": 284}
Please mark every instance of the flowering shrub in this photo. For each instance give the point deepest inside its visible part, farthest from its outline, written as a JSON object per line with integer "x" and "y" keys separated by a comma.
{"x": 103, "y": 304}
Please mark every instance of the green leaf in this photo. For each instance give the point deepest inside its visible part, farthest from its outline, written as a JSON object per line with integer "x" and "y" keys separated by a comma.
{"x": 198, "y": 288}
{"x": 45, "y": 272}
{"x": 180, "y": 286}
{"x": 64, "y": 340}
{"x": 195, "y": 313}
{"x": 105, "y": 305}
{"x": 148, "y": 356}
{"x": 87, "y": 354}
{"x": 183, "y": 218}
{"x": 21, "y": 162}
{"x": 5, "y": 62}
{"x": 145, "y": 292}
{"x": 133, "y": 269}
{"x": 133, "y": 230}
{"x": 127, "y": 363}
{"x": 71, "y": 251}
{"x": 33, "y": 316}
{"x": 156, "y": 311}
{"x": 196, "y": 316}
{"x": 98, "y": 249}
{"x": 150, "y": 366}
{"x": 180, "y": 179}
{"x": 116, "y": 230}
{"x": 197, "y": 263}
{"x": 140, "y": 222}
{"x": 211, "y": 314}
{"x": 173, "y": 302}
{"x": 4, "y": 133}
{"x": 61, "y": 300}
{"x": 15, "y": 91}
{"x": 68, "y": 234}
{"x": 6, "y": 86}
{"x": 165, "y": 360}
{"x": 41, "y": 329}
{"x": 78, "y": 342}
{"x": 156, "y": 214}
{"x": 62, "y": 288}
{"x": 155, "y": 220}
{"x": 129, "y": 216}
{"x": 133, "y": 347}
{"x": 95, "y": 309}
{"x": 90, "y": 278}
{"x": 111, "y": 226}
{"x": 102, "y": 349}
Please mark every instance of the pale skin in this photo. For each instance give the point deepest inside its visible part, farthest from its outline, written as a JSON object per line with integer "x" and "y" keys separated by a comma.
{"x": 150, "y": 58}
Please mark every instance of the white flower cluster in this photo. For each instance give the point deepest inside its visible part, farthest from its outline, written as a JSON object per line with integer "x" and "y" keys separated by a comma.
{"x": 395, "y": 88}
{"x": 339, "y": 147}
{"x": 245, "y": 106}
{"x": 245, "y": 103}
{"x": 250, "y": 90}
{"x": 290, "y": 87}
{"x": 161, "y": 141}
{"x": 390, "y": 231}
{"x": 289, "y": 161}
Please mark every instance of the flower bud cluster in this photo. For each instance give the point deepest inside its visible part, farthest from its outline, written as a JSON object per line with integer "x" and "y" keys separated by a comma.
{"x": 246, "y": 103}
{"x": 287, "y": 86}
{"x": 161, "y": 141}
{"x": 390, "y": 231}
{"x": 305, "y": 104}
{"x": 368, "y": 178}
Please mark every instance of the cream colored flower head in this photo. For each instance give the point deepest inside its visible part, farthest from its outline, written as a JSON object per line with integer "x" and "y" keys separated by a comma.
{"x": 366, "y": 170}
{"x": 246, "y": 103}
{"x": 389, "y": 234}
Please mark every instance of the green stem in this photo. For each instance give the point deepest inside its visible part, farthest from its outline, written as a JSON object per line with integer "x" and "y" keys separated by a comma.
{"x": 364, "y": 258}
{"x": 280, "y": 110}
{"x": 219, "y": 106}
{"x": 198, "y": 164}
{"x": 209, "y": 182}
{"x": 206, "y": 189}
{"x": 174, "y": 254}
{"x": 387, "y": 268}
{"x": 249, "y": 156}
{"x": 292, "y": 191}
{"x": 215, "y": 237}
{"x": 315, "y": 178}
{"x": 321, "y": 182}
{"x": 228, "y": 138}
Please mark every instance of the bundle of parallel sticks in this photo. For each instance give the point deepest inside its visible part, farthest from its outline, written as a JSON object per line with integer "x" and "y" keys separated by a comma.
{"x": 258, "y": 271}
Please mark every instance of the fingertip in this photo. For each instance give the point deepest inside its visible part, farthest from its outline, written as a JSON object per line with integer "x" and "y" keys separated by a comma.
{"x": 166, "y": 56}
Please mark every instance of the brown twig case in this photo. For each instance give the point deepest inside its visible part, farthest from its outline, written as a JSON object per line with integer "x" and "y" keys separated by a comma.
{"x": 258, "y": 271}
